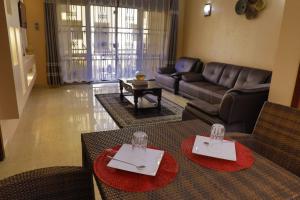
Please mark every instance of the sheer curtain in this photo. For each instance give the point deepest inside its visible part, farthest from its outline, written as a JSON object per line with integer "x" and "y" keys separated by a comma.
{"x": 103, "y": 40}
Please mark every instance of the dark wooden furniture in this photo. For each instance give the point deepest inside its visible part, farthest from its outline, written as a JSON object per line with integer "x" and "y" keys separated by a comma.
{"x": 296, "y": 96}
{"x": 60, "y": 183}
{"x": 140, "y": 91}
{"x": 2, "y": 152}
{"x": 264, "y": 180}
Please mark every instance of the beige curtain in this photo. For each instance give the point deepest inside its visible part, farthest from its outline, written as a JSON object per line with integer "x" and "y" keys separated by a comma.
{"x": 107, "y": 39}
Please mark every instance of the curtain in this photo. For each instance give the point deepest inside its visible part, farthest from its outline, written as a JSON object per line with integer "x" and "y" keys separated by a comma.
{"x": 53, "y": 68}
{"x": 160, "y": 49}
{"x": 103, "y": 40}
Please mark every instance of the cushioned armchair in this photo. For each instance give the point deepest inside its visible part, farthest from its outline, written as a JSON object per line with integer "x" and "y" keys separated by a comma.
{"x": 59, "y": 183}
{"x": 276, "y": 136}
{"x": 238, "y": 109}
{"x": 169, "y": 77}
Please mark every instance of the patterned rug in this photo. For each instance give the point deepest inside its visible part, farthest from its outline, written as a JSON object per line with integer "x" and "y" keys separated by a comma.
{"x": 124, "y": 115}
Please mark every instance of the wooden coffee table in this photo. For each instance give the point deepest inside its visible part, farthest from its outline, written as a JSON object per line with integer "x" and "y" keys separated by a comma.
{"x": 139, "y": 92}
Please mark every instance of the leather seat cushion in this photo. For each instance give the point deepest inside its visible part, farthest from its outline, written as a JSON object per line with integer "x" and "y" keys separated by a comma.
{"x": 221, "y": 92}
{"x": 203, "y": 90}
{"x": 250, "y": 77}
{"x": 229, "y": 76}
{"x": 165, "y": 80}
{"x": 211, "y": 109}
{"x": 209, "y": 119}
{"x": 191, "y": 88}
{"x": 213, "y": 71}
{"x": 212, "y": 93}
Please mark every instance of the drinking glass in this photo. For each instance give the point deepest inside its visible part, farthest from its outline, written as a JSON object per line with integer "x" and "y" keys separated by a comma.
{"x": 139, "y": 140}
{"x": 217, "y": 132}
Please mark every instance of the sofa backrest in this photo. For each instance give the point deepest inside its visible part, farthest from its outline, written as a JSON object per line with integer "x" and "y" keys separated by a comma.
{"x": 186, "y": 64}
{"x": 213, "y": 71}
{"x": 252, "y": 76}
{"x": 229, "y": 75}
{"x": 277, "y": 131}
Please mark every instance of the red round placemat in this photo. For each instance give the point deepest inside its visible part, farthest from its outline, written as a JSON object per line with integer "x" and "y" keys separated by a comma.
{"x": 244, "y": 157}
{"x": 133, "y": 182}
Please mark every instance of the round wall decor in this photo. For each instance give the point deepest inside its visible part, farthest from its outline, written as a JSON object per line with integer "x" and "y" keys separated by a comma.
{"x": 251, "y": 8}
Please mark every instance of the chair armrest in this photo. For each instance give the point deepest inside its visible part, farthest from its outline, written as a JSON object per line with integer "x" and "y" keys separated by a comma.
{"x": 192, "y": 77}
{"x": 243, "y": 104}
{"x": 237, "y": 135}
{"x": 165, "y": 70}
{"x": 55, "y": 182}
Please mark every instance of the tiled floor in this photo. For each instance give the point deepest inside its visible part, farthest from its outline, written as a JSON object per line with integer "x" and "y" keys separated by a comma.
{"x": 49, "y": 130}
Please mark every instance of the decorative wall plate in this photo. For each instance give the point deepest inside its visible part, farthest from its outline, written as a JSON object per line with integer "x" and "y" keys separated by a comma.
{"x": 241, "y": 7}
{"x": 260, "y": 5}
{"x": 251, "y": 12}
{"x": 251, "y": 8}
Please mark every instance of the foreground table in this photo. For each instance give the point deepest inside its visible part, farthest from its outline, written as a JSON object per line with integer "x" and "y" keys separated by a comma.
{"x": 265, "y": 180}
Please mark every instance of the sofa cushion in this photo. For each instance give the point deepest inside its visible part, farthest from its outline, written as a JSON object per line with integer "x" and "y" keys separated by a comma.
{"x": 250, "y": 77}
{"x": 186, "y": 64}
{"x": 212, "y": 93}
{"x": 213, "y": 71}
{"x": 203, "y": 90}
{"x": 211, "y": 109}
{"x": 192, "y": 77}
{"x": 229, "y": 76}
{"x": 191, "y": 88}
{"x": 165, "y": 80}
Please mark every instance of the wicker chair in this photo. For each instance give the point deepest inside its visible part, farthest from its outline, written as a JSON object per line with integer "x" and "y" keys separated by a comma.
{"x": 276, "y": 136}
{"x": 59, "y": 183}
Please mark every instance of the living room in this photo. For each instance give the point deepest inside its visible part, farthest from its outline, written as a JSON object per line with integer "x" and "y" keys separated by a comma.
{"x": 69, "y": 97}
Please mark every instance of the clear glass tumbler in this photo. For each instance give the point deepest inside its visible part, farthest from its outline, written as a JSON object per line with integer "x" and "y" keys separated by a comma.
{"x": 139, "y": 140}
{"x": 217, "y": 132}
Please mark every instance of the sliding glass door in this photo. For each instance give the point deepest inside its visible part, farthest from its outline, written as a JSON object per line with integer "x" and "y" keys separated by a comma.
{"x": 73, "y": 43}
{"x": 115, "y": 42}
{"x": 103, "y": 43}
{"x": 106, "y": 40}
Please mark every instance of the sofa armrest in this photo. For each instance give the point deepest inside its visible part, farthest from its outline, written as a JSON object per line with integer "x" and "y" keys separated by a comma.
{"x": 178, "y": 75}
{"x": 192, "y": 77}
{"x": 251, "y": 89}
{"x": 243, "y": 105}
{"x": 165, "y": 70}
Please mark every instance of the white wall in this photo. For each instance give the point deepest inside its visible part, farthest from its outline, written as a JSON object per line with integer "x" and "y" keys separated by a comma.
{"x": 20, "y": 66}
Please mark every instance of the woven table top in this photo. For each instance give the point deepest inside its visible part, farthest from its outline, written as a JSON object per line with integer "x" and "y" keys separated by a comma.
{"x": 264, "y": 180}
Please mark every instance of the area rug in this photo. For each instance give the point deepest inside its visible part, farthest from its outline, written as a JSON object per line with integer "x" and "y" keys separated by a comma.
{"x": 124, "y": 115}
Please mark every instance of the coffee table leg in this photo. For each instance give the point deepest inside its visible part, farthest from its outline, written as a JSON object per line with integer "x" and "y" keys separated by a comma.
{"x": 136, "y": 99}
{"x": 159, "y": 101}
{"x": 121, "y": 90}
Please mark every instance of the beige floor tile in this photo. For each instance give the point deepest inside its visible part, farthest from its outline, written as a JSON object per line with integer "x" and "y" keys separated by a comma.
{"x": 49, "y": 130}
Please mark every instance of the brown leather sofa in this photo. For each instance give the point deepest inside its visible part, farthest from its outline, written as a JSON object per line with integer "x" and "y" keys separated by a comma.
{"x": 227, "y": 94}
{"x": 169, "y": 77}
